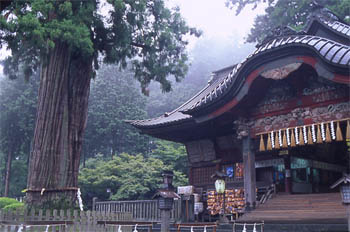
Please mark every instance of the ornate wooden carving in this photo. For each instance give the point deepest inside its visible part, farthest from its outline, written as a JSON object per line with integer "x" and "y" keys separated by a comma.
{"x": 281, "y": 72}
{"x": 302, "y": 116}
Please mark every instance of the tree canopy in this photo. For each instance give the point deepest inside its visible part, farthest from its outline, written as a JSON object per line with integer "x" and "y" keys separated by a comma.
{"x": 132, "y": 177}
{"x": 144, "y": 33}
{"x": 293, "y": 13}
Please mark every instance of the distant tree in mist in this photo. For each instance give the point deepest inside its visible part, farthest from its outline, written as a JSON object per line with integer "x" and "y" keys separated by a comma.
{"x": 18, "y": 101}
{"x": 114, "y": 97}
{"x": 291, "y": 13}
{"x": 208, "y": 55}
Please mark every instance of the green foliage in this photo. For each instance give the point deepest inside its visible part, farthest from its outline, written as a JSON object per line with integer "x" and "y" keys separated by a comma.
{"x": 172, "y": 154}
{"x": 174, "y": 157}
{"x": 145, "y": 32}
{"x": 292, "y": 13}
{"x": 132, "y": 177}
{"x": 19, "y": 206}
{"x": 5, "y": 201}
{"x": 128, "y": 177}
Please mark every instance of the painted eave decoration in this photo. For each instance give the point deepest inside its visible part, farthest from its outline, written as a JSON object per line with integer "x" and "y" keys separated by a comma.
{"x": 273, "y": 59}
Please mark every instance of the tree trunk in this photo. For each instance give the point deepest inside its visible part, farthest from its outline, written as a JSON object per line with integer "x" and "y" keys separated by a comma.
{"x": 60, "y": 124}
{"x": 8, "y": 172}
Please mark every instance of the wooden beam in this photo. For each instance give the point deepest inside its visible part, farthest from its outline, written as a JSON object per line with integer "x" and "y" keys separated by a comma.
{"x": 249, "y": 172}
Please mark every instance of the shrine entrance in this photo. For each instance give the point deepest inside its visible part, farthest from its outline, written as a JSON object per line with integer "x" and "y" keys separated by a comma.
{"x": 310, "y": 166}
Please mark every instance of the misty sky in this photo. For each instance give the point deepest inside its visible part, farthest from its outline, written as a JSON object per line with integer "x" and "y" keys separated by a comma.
{"x": 213, "y": 18}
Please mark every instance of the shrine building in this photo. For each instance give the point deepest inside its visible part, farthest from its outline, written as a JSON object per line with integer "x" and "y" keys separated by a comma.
{"x": 280, "y": 117}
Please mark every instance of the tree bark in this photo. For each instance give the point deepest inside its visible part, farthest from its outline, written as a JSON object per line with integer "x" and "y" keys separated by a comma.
{"x": 60, "y": 124}
{"x": 8, "y": 172}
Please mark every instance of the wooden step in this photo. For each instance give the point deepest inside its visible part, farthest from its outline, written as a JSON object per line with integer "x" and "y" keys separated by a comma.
{"x": 311, "y": 207}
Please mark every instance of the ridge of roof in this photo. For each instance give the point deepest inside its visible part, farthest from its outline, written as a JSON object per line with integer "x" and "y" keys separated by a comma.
{"x": 176, "y": 115}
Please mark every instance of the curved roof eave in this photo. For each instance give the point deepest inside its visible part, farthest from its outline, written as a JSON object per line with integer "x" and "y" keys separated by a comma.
{"x": 284, "y": 50}
{"x": 315, "y": 51}
{"x": 340, "y": 29}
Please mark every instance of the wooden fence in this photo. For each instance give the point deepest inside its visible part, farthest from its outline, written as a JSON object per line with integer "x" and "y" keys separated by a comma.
{"x": 141, "y": 210}
{"x": 59, "y": 221}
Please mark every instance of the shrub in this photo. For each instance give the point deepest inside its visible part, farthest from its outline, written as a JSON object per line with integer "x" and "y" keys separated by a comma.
{"x": 4, "y": 201}
{"x": 14, "y": 206}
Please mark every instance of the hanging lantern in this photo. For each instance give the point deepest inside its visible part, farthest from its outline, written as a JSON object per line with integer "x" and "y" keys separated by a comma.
{"x": 220, "y": 186}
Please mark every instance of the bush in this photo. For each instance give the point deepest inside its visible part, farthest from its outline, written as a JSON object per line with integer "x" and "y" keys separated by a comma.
{"x": 4, "y": 201}
{"x": 14, "y": 206}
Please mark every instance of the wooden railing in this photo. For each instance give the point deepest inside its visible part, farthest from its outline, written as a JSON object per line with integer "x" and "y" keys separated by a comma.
{"x": 60, "y": 220}
{"x": 271, "y": 190}
{"x": 141, "y": 210}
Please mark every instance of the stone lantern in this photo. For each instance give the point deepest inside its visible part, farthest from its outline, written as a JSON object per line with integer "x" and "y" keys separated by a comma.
{"x": 165, "y": 197}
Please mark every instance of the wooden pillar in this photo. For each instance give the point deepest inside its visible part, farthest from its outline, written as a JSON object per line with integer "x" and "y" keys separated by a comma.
{"x": 190, "y": 176}
{"x": 249, "y": 172}
{"x": 288, "y": 174}
{"x": 94, "y": 199}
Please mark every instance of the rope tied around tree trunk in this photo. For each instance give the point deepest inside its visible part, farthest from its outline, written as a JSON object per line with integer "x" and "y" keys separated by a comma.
{"x": 42, "y": 190}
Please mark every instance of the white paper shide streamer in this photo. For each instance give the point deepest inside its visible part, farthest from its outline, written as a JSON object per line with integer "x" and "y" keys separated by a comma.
{"x": 313, "y": 133}
{"x": 80, "y": 201}
{"x": 288, "y": 137}
{"x": 296, "y": 136}
{"x": 323, "y": 134}
{"x": 332, "y": 130}
{"x": 272, "y": 140}
{"x": 280, "y": 137}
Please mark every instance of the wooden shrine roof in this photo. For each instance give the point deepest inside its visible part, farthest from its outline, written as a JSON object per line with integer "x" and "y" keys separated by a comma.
{"x": 329, "y": 58}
